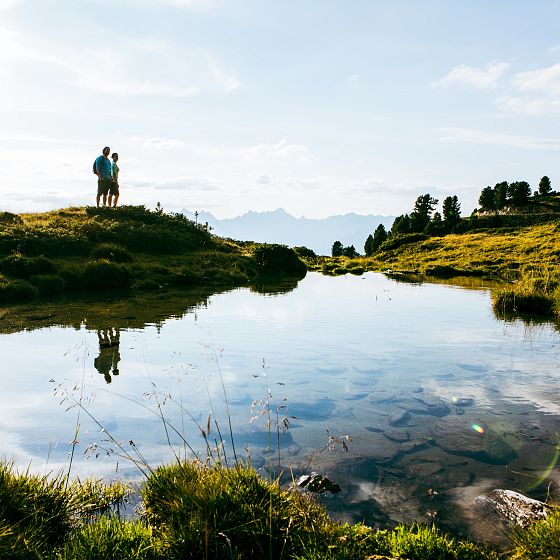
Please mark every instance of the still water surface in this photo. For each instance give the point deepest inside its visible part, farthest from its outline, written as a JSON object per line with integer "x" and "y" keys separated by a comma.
{"x": 440, "y": 398}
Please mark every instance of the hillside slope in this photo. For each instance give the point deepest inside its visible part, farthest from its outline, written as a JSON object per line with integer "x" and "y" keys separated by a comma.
{"x": 127, "y": 247}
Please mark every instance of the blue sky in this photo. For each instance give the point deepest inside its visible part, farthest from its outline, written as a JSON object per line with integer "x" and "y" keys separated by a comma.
{"x": 319, "y": 107}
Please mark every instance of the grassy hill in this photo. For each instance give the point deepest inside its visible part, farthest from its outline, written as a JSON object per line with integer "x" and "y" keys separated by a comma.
{"x": 126, "y": 248}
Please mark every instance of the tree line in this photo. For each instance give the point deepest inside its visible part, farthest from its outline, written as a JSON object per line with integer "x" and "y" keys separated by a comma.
{"x": 514, "y": 194}
{"x": 423, "y": 220}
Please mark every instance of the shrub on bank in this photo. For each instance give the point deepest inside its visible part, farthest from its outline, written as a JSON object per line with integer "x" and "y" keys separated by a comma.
{"x": 16, "y": 291}
{"x": 275, "y": 259}
{"x": 100, "y": 275}
{"x": 48, "y": 284}
{"x": 305, "y": 252}
{"x": 21, "y": 266}
{"x": 396, "y": 241}
{"x": 112, "y": 252}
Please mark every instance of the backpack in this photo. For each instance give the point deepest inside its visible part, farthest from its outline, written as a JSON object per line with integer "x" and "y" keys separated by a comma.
{"x": 95, "y": 166}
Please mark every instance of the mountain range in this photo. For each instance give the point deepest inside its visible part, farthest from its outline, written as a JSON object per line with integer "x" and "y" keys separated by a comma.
{"x": 279, "y": 226}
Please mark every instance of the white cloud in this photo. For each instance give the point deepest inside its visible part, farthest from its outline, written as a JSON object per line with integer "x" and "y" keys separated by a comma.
{"x": 191, "y": 4}
{"x": 483, "y": 137}
{"x": 477, "y": 78}
{"x": 529, "y": 106}
{"x": 181, "y": 184}
{"x": 158, "y": 143}
{"x": 545, "y": 80}
{"x": 538, "y": 92}
{"x": 280, "y": 150}
{"x": 8, "y": 4}
{"x": 176, "y": 70}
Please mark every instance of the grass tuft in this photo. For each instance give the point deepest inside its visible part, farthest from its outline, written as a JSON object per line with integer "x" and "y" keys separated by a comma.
{"x": 539, "y": 541}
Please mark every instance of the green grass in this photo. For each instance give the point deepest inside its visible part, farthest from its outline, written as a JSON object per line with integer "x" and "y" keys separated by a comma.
{"x": 540, "y": 541}
{"x": 192, "y": 511}
{"x": 129, "y": 247}
{"x": 113, "y": 539}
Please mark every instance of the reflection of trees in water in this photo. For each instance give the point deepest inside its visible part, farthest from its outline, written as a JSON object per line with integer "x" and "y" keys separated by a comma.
{"x": 109, "y": 357}
{"x": 271, "y": 287}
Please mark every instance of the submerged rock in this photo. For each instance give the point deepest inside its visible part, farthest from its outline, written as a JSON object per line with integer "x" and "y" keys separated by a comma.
{"x": 318, "y": 483}
{"x": 458, "y": 436}
{"x": 397, "y": 436}
{"x": 515, "y": 507}
{"x": 400, "y": 418}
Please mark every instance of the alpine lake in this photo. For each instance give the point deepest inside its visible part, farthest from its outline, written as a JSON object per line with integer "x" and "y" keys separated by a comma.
{"x": 413, "y": 397}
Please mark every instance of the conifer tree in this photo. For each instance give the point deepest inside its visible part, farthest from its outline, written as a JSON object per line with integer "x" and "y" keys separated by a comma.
{"x": 544, "y": 186}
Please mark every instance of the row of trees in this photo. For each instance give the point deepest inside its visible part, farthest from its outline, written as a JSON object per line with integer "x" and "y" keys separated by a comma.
{"x": 423, "y": 219}
{"x": 511, "y": 194}
{"x": 339, "y": 250}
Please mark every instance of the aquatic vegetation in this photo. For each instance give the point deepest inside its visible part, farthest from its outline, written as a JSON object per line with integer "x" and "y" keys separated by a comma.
{"x": 537, "y": 291}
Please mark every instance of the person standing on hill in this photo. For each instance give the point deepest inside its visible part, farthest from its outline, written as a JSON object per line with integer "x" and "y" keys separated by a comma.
{"x": 114, "y": 189}
{"x": 102, "y": 168}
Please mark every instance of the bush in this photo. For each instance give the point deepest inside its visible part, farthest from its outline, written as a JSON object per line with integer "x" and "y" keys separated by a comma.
{"x": 357, "y": 270}
{"x": 112, "y": 252}
{"x": 278, "y": 259}
{"x": 396, "y": 241}
{"x": 24, "y": 267}
{"x": 102, "y": 275}
{"x": 305, "y": 252}
{"x": 10, "y": 219}
{"x": 48, "y": 283}
{"x": 188, "y": 277}
{"x": 15, "y": 291}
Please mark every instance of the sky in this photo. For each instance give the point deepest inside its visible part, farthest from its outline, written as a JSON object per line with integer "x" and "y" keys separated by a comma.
{"x": 320, "y": 107}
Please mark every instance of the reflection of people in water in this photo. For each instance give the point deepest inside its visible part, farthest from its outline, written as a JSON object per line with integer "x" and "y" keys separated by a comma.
{"x": 108, "y": 360}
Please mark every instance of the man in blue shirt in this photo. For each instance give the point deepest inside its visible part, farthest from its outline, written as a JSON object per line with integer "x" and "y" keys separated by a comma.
{"x": 105, "y": 180}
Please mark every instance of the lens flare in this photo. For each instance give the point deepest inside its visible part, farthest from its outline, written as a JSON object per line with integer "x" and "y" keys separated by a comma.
{"x": 478, "y": 428}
